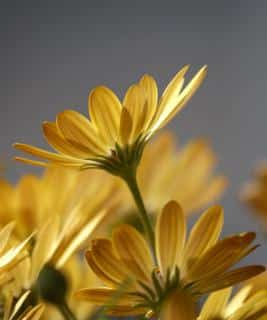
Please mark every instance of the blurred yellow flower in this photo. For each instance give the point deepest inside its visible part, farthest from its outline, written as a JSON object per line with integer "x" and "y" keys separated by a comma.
{"x": 58, "y": 192}
{"x": 185, "y": 175}
{"x": 116, "y": 133}
{"x": 189, "y": 268}
{"x": 242, "y": 306}
{"x": 254, "y": 194}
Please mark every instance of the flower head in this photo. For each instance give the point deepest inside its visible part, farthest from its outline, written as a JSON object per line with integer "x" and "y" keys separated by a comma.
{"x": 189, "y": 268}
{"x": 115, "y": 135}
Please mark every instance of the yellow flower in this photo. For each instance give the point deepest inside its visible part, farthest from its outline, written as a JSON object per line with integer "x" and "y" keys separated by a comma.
{"x": 240, "y": 307}
{"x": 254, "y": 194}
{"x": 185, "y": 175}
{"x": 58, "y": 192}
{"x": 42, "y": 272}
{"x": 116, "y": 133}
{"x": 191, "y": 267}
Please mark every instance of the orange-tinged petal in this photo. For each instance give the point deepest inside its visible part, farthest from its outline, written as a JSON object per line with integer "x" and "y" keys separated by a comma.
{"x": 133, "y": 251}
{"x": 170, "y": 236}
{"x": 204, "y": 233}
{"x": 104, "y": 109}
{"x": 126, "y": 125}
{"x": 105, "y": 297}
{"x": 221, "y": 256}
{"x": 106, "y": 260}
{"x": 228, "y": 279}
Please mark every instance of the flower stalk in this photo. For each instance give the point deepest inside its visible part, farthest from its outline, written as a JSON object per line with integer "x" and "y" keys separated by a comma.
{"x": 132, "y": 184}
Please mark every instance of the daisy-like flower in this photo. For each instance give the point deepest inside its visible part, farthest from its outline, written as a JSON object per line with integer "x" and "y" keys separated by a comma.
{"x": 116, "y": 133}
{"x": 184, "y": 268}
{"x": 185, "y": 175}
{"x": 254, "y": 194}
{"x": 58, "y": 192}
{"x": 242, "y": 306}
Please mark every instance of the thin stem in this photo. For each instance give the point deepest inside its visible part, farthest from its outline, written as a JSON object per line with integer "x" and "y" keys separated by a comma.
{"x": 131, "y": 182}
{"x": 66, "y": 311}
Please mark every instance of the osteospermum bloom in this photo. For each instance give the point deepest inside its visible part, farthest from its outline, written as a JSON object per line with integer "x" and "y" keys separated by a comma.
{"x": 116, "y": 133}
{"x": 186, "y": 175}
{"x": 184, "y": 268}
{"x": 242, "y": 306}
{"x": 254, "y": 194}
{"x": 58, "y": 191}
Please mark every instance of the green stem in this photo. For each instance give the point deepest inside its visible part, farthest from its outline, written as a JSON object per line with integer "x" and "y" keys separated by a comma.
{"x": 66, "y": 311}
{"x": 131, "y": 182}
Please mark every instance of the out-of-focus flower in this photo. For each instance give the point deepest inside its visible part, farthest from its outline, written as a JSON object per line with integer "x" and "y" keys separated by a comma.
{"x": 242, "y": 306}
{"x": 116, "y": 133}
{"x": 58, "y": 192}
{"x": 257, "y": 283}
{"x": 185, "y": 175}
{"x": 185, "y": 268}
{"x": 254, "y": 194}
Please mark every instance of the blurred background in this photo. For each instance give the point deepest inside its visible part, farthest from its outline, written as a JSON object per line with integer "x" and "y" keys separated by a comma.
{"x": 53, "y": 52}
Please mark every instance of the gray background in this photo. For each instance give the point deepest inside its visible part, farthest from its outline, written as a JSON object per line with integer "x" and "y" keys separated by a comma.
{"x": 53, "y": 52}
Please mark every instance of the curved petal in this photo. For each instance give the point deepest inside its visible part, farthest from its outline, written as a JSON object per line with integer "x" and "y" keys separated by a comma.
{"x": 106, "y": 260}
{"x": 104, "y": 109}
{"x": 60, "y": 144}
{"x": 77, "y": 129}
{"x": 133, "y": 251}
{"x": 150, "y": 87}
{"x": 204, "y": 234}
{"x": 170, "y": 236}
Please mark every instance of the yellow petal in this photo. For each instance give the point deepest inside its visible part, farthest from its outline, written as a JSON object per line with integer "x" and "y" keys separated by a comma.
{"x": 107, "y": 262}
{"x": 170, "y": 236}
{"x": 237, "y": 301}
{"x": 46, "y": 243}
{"x": 104, "y": 109}
{"x": 204, "y": 233}
{"x": 50, "y": 156}
{"x": 215, "y": 305}
{"x": 80, "y": 132}
{"x": 221, "y": 256}
{"x": 76, "y": 239}
{"x": 136, "y": 104}
{"x": 60, "y": 144}
{"x": 229, "y": 279}
{"x": 150, "y": 88}
{"x": 105, "y": 297}
{"x": 125, "y": 126}
{"x": 133, "y": 251}
{"x": 5, "y": 234}
{"x": 176, "y": 103}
